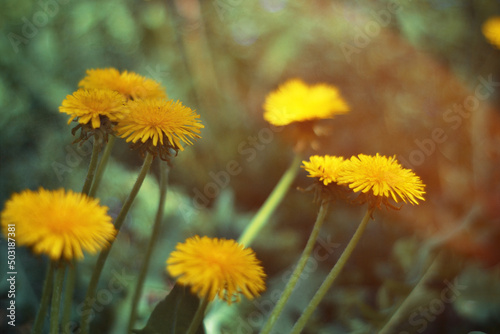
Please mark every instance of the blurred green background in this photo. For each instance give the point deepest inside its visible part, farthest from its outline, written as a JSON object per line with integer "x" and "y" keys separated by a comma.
{"x": 401, "y": 65}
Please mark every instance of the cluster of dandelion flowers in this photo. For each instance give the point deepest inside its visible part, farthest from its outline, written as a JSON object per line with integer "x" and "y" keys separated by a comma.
{"x": 217, "y": 267}
{"x": 61, "y": 224}
{"x": 129, "y": 84}
{"x": 94, "y": 106}
{"x": 295, "y": 101}
{"x": 491, "y": 30}
{"x": 159, "y": 125}
{"x": 379, "y": 177}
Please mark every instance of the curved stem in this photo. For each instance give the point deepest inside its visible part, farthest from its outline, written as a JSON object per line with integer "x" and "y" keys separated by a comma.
{"x": 102, "y": 165}
{"x": 271, "y": 203}
{"x": 406, "y": 306}
{"x": 152, "y": 242}
{"x": 89, "y": 298}
{"x": 334, "y": 273}
{"x": 92, "y": 166}
{"x": 198, "y": 317}
{"x": 298, "y": 270}
{"x": 44, "y": 301}
{"x": 56, "y": 298}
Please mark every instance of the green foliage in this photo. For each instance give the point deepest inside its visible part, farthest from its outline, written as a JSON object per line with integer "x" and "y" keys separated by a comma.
{"x": 174, "y": 314}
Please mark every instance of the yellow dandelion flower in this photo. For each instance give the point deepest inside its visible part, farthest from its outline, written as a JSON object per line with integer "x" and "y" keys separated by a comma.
{"x": 217, "y": 267}
{"x": 92, "y": 105}
{"x": 129, "y": 84}
{"x": 491, "y": 30}
{"x": 326, "y": 168}
{"x": 294, "y": 101}
{"x": 160, "y": 123}
{"x": 379, "y": 176}
{"x": 59, "y": 223}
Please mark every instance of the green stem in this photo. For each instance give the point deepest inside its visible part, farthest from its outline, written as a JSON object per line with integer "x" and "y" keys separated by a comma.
{"x": 409, "y": 303}
{"x": 298, "y": 270}
{"x": 102, "y": 165}
{"x": 271, "y": 203}
{"x": 68, "y": 294}
{"x": 198, "y": 317}
{"x": 92, "y": 180}
{"x": 44, "y": 301}
{"x": 56, "y": 298}
{"x": 92, "y": 166}
{"x": 334, "y": 273}
{"x": 89, "y": 298}
{"x": 152, "y": 242}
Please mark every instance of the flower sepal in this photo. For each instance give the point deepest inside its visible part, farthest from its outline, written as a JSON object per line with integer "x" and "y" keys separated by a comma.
{"x": 100, "y": 134}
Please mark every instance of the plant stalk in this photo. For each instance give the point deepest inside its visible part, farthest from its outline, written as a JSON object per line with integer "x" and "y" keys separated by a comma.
{"x": 334, "y": 273}
{"x": 152, "y": 242}
{"x": 198, "y": 317}
{"x": 271, "y": 203}
{"x": 60, "y": 270}
{"x": 89, "y": 298}
{"x": 45, "y": 300}
{"x": 298, "y": 269}
{"x": 102, "y": 166}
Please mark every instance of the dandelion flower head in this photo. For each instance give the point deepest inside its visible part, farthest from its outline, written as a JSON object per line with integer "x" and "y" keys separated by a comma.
{"x": 294, "y": 101}
{"x": 491, "y": 30}
{"x": 380, "y": 177}
{"x": 217, "y": 267}
{"x": 129, "y": 84}
{"x": 90, "y": 106}
{"x": 326, "y": 168}
{"x": 160, "y": 123}
{"x": 61, "y": 224}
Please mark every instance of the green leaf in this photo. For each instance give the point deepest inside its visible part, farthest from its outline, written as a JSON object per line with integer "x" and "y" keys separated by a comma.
{"x": 174, "y": 314}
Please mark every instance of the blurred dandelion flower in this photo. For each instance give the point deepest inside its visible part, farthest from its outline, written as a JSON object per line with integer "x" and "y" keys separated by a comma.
{"x": 130, "y": 84}
{"x": 159, "y": 125}
{"x": 57, "y": 223}
{"x": 326, "y": 168}
{"x": 217, "y": 267}
{"x": 379, "y": 178}
{"x": 92, "y": 105}
{"x": 294, "y": 101}
{"x": 491, "y": 30}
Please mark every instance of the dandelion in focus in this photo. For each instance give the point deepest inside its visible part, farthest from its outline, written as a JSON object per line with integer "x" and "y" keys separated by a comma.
{"x": 380, "y": 178}
{"x": 94, "y": 107}
{"x": 158, "y": 125}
